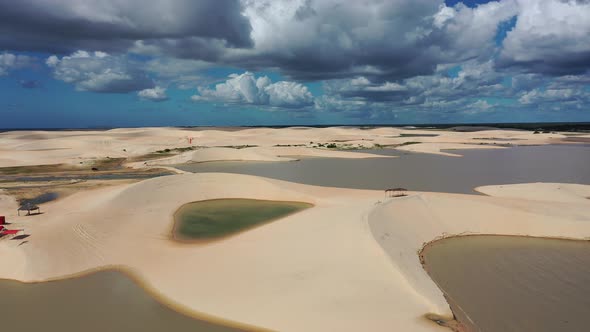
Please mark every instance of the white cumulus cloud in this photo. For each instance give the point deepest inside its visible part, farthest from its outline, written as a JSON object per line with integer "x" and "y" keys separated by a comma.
{"x": 247, "y": 89}
{"x": 537, "y": 96}
{"x": 9, "y": 61}
{"x": 99, "y": 72}
{"x": 550, "y": 37}
{"x": 154, "y": 94}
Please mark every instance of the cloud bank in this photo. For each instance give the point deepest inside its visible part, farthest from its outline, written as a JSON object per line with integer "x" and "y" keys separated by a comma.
{"x": 371, "y": 58}
{"x": 63, "y": 26}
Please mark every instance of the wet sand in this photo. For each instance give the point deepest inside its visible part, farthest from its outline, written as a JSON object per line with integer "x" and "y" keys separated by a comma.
{"x": 509, "y": 283}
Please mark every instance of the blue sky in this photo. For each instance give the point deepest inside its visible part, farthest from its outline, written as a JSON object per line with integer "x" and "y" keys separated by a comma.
{"x": 268, "y": 62}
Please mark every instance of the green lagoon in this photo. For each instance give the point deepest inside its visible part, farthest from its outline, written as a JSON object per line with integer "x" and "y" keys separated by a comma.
{"x": 213, "y": 219}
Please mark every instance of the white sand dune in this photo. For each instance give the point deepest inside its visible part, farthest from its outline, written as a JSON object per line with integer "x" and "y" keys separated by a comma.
{"x": 349, "y": 263}
{"x": 402, "y": 226}
{"x": 22, "y": 148}
{"x": 319, "y": 264}
{"x": 444, "y": 148}
{"x": 552, "y": 192}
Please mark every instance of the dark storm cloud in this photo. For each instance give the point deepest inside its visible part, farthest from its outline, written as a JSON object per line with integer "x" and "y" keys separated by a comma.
{"x": 305, "y": 11}
{"x": 383, "y": 40}
{"x": 114, "y": 25}
{"x": 552, "y": 63}
{"x": 474, "y": 79}
{"x": 182, "y": 48}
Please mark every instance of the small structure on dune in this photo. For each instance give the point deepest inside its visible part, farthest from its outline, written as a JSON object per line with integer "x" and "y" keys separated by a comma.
{"x": 396, "y": 192}
{"x": 4, "y": 231}
{"x": 28, "y": 207}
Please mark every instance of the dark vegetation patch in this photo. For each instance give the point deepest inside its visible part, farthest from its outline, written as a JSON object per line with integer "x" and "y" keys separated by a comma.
{"x": 418, "y": 135}
{"x": 238, "y": 146}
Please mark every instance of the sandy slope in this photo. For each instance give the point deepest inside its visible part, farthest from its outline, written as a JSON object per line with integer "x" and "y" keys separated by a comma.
{"x": 402, "y": 226}
{"x": 348, "y": 264}
{"x": 444, "y": 149}
{"x": 322, "y": 264}
{"x": 552, "y": 192}
{"x": 21, "y": 148}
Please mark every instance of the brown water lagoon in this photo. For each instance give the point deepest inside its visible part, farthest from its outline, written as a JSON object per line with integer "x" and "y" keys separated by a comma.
{"x": 510, "y": 283}
{"x": 425, "y": 172}
{"x": 213, "y": 219}
{"x": 99, "y": 302}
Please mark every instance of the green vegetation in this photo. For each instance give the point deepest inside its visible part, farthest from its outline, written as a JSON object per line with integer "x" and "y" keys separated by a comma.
{"x": 213, "y": 219}
{"x": 150, "y": 156}
{"x": 109, "y": 163}
{"x": 418, "y": 135}
{"x": 159, "y": 154}
{"x": 332, "y": 145}
{"x": 33, "y": 169}
{"x": 100, "y": 164}
{"x": 238, "y": 146}
{"x": 409, "y": 143}
{"x": 177, "y": 150}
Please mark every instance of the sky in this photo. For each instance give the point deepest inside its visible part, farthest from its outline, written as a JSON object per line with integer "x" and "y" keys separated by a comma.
{"x": 128, "y": 63}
